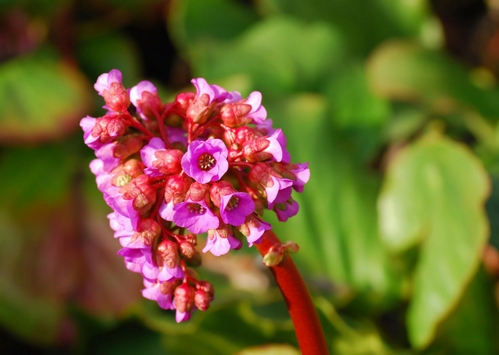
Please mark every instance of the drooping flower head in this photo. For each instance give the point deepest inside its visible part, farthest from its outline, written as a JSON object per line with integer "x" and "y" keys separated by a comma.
{"x": 208, "y": 162}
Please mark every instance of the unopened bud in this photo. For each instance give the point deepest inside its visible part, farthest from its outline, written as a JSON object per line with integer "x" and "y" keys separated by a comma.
{"x": 184, "y": 297}
{"x": 234, "y": 115}
{"x": 199, "y": 109}
{"x": 128, "y": 145}
{"x": 167, "y": 287}
{"x": 168, "y": 161}
{"x": 261, "y": 149}
{"x": 220, "y": 188}
{"x": 117, "y": 98}
{"x": 183, "y": 100}
{"x": 186, "y": 249}
{"x": 198, "y": 192}
{"x": 147, "y": 230}
{"x": 176, "y": 188}
{"x": 133, "y": 167}
{"x": 167, "y": 251}
{"x": 206, "y": 287}
{"x": 202, "y": 300}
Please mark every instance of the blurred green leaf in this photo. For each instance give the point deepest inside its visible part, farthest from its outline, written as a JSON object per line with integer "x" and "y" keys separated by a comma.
{"x": 336, "y": 227}
{"x": 49, "y": 233}
{"x": 270, "y": 349}
{"x": 41, "y": 98}
{"x": 406, "y": 71}
{"x": 102, "y": 52}
{"x": 277, "y": 55}
{"x": 190, "y": 26}
{"x": 434, "y": 195}
{"x": 470, "y": 329}
{"x": 206, "y": 333}
{"x": 360, "y": 30}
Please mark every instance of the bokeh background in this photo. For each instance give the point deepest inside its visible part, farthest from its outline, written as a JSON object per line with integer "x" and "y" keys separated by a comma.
{"x": 394, "y": 103}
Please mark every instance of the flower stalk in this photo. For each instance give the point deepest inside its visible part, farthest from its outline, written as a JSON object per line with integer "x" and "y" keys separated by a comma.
{"x": 301, "y": 309}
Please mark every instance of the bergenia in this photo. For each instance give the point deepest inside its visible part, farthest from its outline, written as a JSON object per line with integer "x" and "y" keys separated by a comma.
{"x": 208, "y": 162}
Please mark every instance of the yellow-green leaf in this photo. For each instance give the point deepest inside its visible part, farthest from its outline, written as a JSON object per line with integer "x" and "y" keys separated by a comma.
{"x": 433, "y": 197}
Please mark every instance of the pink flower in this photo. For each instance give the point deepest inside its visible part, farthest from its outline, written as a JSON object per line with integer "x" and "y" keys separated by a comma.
{"x": 286, "y": 210}
{"x": 235, "y": 207}
{"x": 302, "y": 174}
{"x": 214, "y": 92}
{"x": 253, "y": 229}
{"x": 153, "y": 292}
{"x": 144, "y": 96}
{"x": 106, "y": 80}
{"x": 206, "y": 161}
{"x": 195, "y": 216}
{"x": 220, "y": 241}
{"x": 258, "y": 112}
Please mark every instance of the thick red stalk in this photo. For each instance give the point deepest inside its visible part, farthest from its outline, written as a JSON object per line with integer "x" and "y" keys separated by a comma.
{"x": 301, "y": 309}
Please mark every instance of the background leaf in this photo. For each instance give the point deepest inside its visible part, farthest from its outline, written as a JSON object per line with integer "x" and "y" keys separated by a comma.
{"x": 28, "y": 116}
{"x": 433, "y": 196}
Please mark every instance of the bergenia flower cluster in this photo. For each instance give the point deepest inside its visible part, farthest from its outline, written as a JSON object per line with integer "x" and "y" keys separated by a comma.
{"x": 208, "y": 162}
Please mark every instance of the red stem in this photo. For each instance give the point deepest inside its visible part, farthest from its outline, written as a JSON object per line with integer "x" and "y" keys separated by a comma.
{"x": 308, "y": 329}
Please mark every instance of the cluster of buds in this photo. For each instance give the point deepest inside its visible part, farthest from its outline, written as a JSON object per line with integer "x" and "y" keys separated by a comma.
{"x": 209, "y": 162}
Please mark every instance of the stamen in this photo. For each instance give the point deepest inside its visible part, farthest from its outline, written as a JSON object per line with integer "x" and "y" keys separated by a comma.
{"x": 196, "y": 208}
{"x": 233, "y": 203}
{"x": 206, "y": 161}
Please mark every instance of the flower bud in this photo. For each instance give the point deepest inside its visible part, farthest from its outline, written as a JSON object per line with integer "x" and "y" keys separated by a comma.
{"x": 186, "y": 249}
{"x": 176, "y": 188}
{"x": 127, "y": 146}
{"x": 260, "y": 175}
{"x": 168, "y": 161}
{"x": 262, "y": 148}
{"x": 202, "y": 300}
{"x": 198, "y": 192}
{"x": 116, "y": 98}
{"x": 244, "y": 134}
{"x": 191, "y": 238}
{"x": 184, "y": 297}
{"x": 199, "y": 109}
{"x": 220, "y": 188}
{"x": 183, "y": 100}
{"x": 234, "y": 115}
{"x": 133, "y": 167}
{"x": 147, "y": 230}
{"x": 167, "y": 251}
{"x": 167, "y": 287}
{"x": 150, "y": 104}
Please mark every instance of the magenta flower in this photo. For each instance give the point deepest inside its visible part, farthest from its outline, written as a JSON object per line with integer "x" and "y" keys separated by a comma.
{"x": 206, "y": 161}
{"x": 258, "y": 113}
{"x": 286, "y": 210}
{"x": 302, "y": 173}
{"x": 278, "y": 184}
{"x": 195, "y": 216}
{"x": 105, "y": 81}
{"x": 148, "y": 155}
{"x": 253, "y": 229}
{"x": 87, "y": 124}
{"x": 137, "y": 91}
{"x": 235, "y": 207}
{"x": 153, "y": 292}
{"x": 171, "y": 161}
{"x": 220, "y": 242}
{"x": 214, "y": 92}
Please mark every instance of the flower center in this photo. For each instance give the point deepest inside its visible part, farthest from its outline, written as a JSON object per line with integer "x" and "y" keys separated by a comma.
{"x": 206, "y": 161}
{"x": 196, "y": 208}
{"x": 233, "y": 203}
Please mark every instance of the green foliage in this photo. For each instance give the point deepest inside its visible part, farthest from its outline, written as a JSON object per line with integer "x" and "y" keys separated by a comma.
{"x": 402, "y": 143}
{"x": 433, "y": 197}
